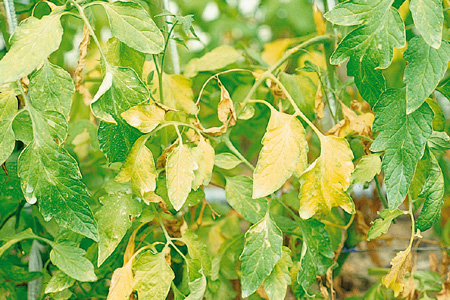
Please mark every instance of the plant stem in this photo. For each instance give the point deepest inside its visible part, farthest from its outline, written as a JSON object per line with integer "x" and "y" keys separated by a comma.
{"x": 89, "y": 27}
{"x": 380, "y": 192}
{"x": 237, "y": 153}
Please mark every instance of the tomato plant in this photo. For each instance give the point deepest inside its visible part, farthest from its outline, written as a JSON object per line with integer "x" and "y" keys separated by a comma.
{"x": 219, "y": 150}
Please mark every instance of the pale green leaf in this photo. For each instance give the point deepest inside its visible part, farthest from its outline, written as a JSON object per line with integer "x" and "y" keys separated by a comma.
{"x": 197, "y": 250}
{"x": 51, "y": 88}
{"x": 428, "y": 19}
{"x": 131, "y": 24}
{"x": 381, "y": 225}
{"x": 203, "y": 155}
{"x": 22, "y": 127}
{"x": 262, "y": 250}
{"x": 139, "y": 168}
{"x": 120, "y": 55}
{"x": 31, "y": 43}
{"x": 180, "y": 175}
{"x": 282, "y": 146}
{"x": 367, "y": 168}
{"x": 426, "y": 67}
{"x": 8, "y": 110}
{"x": 59, "y": 282}
{"x": 145, "y": 116}
{"x": 227, "y": 161}
{"x": 403, "y": 138}
{"x": 217, "y": 59}
{"x": 277, "y": 282}
{"x": 324, "y": 183}
{"x": 114, "y": 218}
{"x": 153, "y": 276}
{"x": 238, "y": 192}
{"x": 71, "y": 260}
{"x": 197, "y": 280}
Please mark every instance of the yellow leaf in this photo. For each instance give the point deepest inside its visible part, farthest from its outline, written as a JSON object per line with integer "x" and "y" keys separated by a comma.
{"x": 145, "y": 116}
{"x": 225, "y": 109}
{"x": 180, "y": 168}
{"x": 82, "y": 143}
{"x": 177, "y": 92}
{"x": 273, "y": 51}
{"x": 139, "y": 167}
{"x": 121, "y": 283}
{"x": 204, "y": 157}
{"x": 324, "y": 183}
{"x": 401, "y": 264}
{"x": 321, "y": 25}
{"x": 218, "y": 58}
{"x": 283, "y": 144}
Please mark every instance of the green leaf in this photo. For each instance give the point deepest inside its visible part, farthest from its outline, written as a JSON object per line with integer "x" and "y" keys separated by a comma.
{"x": 367, "y": 168}
{"x": 426, "y": 67}
{"x": 381, "y": 225}
{"x": 439, "y": 142}
{"x": 277, "y": 282}
{"x": 51, "y": 88}
{"x": 120, "y": 90}
{"x": 180, "y": 174}
{"x": 11, "y": 271}
{"x": 22, "y": 127}
{"x": 139, "y": 168}
{"x": 51, "y": 176}
{"x": 262, "y": 250}
{"x": 197, "y": 250}
{"x": 317, "y": 254}
{"x": 197, "y": 280}
{"x": 11, "y": 239}
{"x": 8, "y": 110}
{"x": 283, "y": 143}
{"x": 116, "y": 141}
{"x": 432, "y": 190}
{"x": 428, "y": 18}
{"x": 59, "y": 282}
{"x": 238, "y": 192}
{"x": 403, "y": 138}
{"x": 227, "y": 161}
{"x": 131, "y": 24}
{"x": 71, "y": 260}
{"x": 120, "y": 55}
{"x": 114, "y": 218}
{"x": 226, "y": 260}
{"x": 217, "y": 59}
{"x": 356, "y": 12}
{"x": 31, "y": 43}
{"x": 303, "y": 91}
{"x": 153, "y": 276}
{"x": 369, "y": 46}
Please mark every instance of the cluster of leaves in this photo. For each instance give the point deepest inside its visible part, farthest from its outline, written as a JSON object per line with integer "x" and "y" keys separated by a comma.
{"x": 154, "y": 146}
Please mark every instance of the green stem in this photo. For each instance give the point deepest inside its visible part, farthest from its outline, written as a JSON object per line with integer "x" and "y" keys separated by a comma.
{"x": 168, "y": 238}
{"x": 238, "y": 154}
{"x": 380, "y": 192}
{"x": 89, "y": 27}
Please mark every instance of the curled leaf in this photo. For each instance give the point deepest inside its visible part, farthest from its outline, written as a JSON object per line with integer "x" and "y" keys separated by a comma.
{"x": 401, "y": 264}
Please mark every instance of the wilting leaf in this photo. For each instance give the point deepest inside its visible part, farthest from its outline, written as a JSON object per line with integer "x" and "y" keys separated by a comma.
{"x": 262, "y": 250}
{"x": 139, "y": 168}
{"x": 225, "y": 108}
{"x": 180, "y": 175}
{"x": 31, "y": 43}
{"x": 353, "y": 123}
{"x": 282, "y": 145}
{"x": 324, "y": 183}
{"x": 153, "y": 276}
{"x": 177, "y": 92}
{"x": 401, "y": 264}
{"x": 121, "y": 282}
